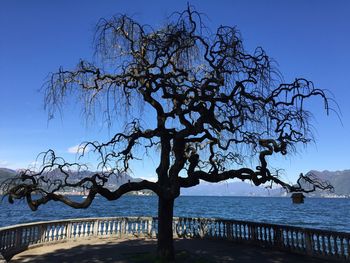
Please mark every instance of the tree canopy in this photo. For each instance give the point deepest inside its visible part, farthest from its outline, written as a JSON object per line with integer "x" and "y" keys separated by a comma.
{"x": 213, "y": 106}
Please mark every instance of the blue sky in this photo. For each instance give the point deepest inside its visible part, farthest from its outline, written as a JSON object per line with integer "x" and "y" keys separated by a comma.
{"x": 308, "y": 39}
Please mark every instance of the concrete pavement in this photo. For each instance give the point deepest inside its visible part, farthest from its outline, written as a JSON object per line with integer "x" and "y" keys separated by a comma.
{"x": 143, "y": 250}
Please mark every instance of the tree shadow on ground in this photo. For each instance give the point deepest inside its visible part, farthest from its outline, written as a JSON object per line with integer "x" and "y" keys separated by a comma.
{"x": 142, "y": 251}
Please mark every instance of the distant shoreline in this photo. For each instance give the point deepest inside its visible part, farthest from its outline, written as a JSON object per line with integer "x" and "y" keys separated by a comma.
{"x": 218, "y": 196}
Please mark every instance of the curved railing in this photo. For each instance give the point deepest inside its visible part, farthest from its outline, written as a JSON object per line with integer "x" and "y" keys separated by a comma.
{"x": 318, "y": 243}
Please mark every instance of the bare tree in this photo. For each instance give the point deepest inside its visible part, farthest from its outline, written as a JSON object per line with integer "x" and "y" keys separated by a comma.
{"x": 213, "y": 105}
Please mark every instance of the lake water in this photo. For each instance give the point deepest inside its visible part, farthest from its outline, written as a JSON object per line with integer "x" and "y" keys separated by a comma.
{"x": 322, "y": 213}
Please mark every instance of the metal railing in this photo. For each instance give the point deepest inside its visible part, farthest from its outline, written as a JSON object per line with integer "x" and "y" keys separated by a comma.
{"x": 319, "y": 243}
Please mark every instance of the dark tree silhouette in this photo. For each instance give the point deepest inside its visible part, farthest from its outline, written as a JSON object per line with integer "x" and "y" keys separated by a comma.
{"x": 213, "y": 106}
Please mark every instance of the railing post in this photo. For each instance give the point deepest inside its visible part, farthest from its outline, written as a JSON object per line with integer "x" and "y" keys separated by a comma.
{"x": 228, "y": 230}
{"x": 123, "y": 228}
{"x": 175, "y": 223}
{"x": 308, "y": 243}
{"x": 149, "y": 227}
{"x": 41, "y": 233}
{"x": 96, "y": 222}
{"x": 342, "y": 250}
{"x": 18, "y": 237}
{"x": 114, "y": 223}
{"x": 277, "y": 236}
{"x": 69, "y": 229}
{"x": 253, "y": 230}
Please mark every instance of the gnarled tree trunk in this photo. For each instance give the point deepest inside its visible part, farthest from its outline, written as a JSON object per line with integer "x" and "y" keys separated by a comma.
{"x": 165, "y": 247}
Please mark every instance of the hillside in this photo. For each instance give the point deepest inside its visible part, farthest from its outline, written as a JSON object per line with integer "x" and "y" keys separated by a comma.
{"x": 114, "y": 181}
{"x": 230, "y": 189}
{"x": 340, "y": 180}
{"x": 6, "y": 173}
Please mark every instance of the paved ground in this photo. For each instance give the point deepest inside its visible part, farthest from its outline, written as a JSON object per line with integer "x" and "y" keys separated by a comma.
{"x": 143, "y": 250}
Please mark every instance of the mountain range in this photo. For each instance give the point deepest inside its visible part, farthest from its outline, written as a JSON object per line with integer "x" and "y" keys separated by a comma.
{"x": 340, "y": 180}
{"x": 6, "y": 173}
{"x": 231, "y": 189}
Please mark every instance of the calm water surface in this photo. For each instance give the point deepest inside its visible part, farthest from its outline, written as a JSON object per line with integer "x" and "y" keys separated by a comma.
{"x": 322, "y": 213}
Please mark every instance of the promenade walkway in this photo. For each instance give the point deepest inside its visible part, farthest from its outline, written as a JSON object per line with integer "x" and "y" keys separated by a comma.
{"x": 142, "y": 250}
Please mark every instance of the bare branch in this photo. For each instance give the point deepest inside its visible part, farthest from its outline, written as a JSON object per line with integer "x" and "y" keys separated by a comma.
{"x": 214, "y": 104}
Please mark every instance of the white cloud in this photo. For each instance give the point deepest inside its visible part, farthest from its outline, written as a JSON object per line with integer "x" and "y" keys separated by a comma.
{"x": 19, "y": 165}
{"x": 10, "y": 165}
{"x": 78, "y": 149}
{"x": 4, "y": 164}
{"x": 150, "y": 178}
{"x": 35, "y": 164}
